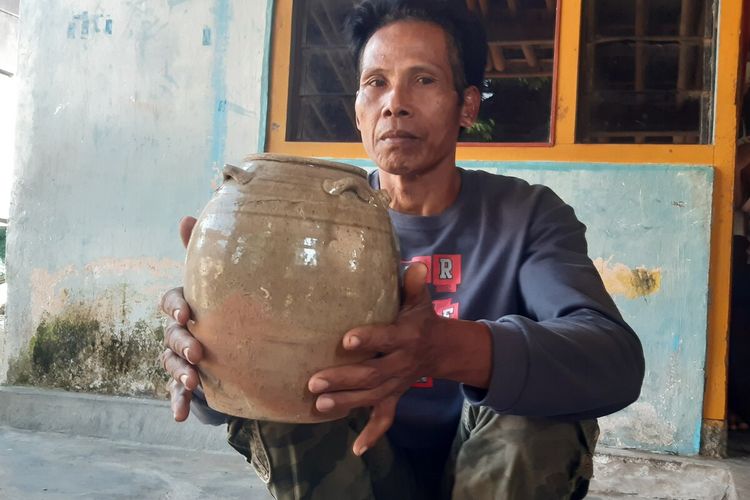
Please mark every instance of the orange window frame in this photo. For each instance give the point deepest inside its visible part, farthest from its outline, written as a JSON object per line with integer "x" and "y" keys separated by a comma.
{"x": 561, "y": 147}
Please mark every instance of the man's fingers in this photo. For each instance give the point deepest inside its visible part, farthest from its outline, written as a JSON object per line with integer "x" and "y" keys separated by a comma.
{"x": 373, "y": 338}
{"x": 182, "y": 343}
{"x": 366, "y": 375}
{"x": 381, "y": 419}
{"x": 415, "y": 290}
{"x": 357, "y": 399}
{"x": 361, "y": 376}
{"x": 176, "y": 336}
{"x": 179, "y": 398}
{"x": 173, "y": 304}
{"x": 180, "y": 370}
{"x": 186, "y": 229}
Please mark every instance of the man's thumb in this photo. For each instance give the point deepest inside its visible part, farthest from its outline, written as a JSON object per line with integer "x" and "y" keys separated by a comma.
{"x": 186, "y": 228}
{"x": 414, "y": 283}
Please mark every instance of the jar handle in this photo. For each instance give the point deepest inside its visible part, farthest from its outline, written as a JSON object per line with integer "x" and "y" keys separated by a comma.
{"x": 238, "y": 174}
{"x": 362, "y": 190}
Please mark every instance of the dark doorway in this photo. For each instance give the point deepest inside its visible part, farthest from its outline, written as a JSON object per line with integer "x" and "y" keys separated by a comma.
{"x": 739, "y": 323}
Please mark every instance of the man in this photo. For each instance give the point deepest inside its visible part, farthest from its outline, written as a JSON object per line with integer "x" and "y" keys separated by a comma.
{"x": 498, "y": 404}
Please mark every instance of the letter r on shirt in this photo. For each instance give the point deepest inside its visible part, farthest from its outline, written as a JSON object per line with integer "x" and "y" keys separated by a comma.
{"x": 446, "y": 272}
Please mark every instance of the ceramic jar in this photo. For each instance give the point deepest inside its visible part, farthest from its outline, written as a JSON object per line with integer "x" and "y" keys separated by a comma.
{"x": 288, "y": 255}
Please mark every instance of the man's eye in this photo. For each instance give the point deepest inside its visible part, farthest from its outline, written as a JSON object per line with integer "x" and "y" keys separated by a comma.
{"x": 425, "y": 80}
{"x": 376, "y": 82}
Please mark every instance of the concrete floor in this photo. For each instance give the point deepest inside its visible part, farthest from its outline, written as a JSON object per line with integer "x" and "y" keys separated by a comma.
{"x": 59, "y": 445}
{"x": 46, "y": 466}
{"x": 51, "y": 466}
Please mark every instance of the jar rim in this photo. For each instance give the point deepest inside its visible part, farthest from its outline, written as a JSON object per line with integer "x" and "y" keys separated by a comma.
{"x": 308, "y": 161}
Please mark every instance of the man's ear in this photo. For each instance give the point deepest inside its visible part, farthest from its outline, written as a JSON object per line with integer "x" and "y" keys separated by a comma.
{"x": 470, "y": 107}
{"x": 356, "y": 115}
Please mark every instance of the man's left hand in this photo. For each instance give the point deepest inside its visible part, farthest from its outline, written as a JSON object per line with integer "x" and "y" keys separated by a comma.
{"x": 407, "y": 352}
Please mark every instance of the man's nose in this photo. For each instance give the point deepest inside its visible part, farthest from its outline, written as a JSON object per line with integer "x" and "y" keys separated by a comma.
{"x": 397, "y": 103}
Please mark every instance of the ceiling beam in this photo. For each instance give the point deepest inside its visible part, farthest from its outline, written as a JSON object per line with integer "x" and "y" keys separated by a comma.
{"x": 498, "y": 59}
{"x": 530, "y": 55}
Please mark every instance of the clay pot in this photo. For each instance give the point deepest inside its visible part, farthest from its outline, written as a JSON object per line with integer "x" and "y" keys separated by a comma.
{"x": 288, "y": 255}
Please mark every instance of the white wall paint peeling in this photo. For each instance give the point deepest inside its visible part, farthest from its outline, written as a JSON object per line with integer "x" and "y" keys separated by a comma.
{"x": 133, "y": 284}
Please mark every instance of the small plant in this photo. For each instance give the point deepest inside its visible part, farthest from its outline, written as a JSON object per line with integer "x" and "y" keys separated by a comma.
{"x": 481, "y": 130}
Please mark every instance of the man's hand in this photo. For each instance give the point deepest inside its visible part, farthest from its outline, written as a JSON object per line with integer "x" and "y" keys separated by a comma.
{"x": 182, "y": 351}
{"x": 407, "y": 352}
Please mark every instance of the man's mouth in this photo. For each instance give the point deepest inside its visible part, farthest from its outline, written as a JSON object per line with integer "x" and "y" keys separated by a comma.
{"x": 397, "y": 136}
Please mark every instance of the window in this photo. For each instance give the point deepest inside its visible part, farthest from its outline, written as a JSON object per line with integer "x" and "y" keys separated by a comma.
{"x": 647, "y": 71}
{"x": 519, "y": 86}
{"x": 323, "y": 78}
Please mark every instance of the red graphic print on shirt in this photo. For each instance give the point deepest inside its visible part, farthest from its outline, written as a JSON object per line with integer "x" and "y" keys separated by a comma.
{"x": 444, "y": 273}
{"x": 423, "y": 383}
{"x": 446, "y": 308}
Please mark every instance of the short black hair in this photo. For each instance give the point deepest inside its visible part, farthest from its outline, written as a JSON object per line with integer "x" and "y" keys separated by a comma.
{"x": 464, "y": 29}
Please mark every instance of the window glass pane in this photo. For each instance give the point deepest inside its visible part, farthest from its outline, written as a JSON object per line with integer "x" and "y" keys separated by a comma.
{"x": 517, "y": 98}
{"x": 323, "y": 80}
{"x": 646, "y": 72}
{"x": 517, "y": 102}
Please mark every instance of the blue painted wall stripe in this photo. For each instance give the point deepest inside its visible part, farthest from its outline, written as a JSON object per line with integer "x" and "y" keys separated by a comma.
{"x": 265, "y": 83}
{"x": 222, "y": 16}
{"x": 561, "y": 166}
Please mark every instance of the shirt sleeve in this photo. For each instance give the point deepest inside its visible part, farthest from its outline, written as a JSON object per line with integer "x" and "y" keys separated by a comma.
{"x": 207, "y": 415}
{"x": 571, "y": 354}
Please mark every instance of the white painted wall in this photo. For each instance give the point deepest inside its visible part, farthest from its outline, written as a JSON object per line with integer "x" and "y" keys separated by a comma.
{"x": 8, "y": 96}
{"x": 119, "y": 135}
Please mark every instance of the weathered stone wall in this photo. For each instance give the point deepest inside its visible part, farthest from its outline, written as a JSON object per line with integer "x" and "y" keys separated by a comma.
{"x": 76, "y": 351}
{"x": 127, "y": 112}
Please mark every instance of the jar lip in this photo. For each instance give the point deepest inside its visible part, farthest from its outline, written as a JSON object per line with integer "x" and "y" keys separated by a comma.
{"x": 313, "y": 162}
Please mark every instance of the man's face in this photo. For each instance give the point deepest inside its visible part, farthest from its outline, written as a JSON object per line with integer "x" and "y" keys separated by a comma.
{"x": 407, "y": 107}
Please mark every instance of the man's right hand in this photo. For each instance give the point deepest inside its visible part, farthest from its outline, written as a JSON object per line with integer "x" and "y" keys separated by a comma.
{"x": 182, "y": 351}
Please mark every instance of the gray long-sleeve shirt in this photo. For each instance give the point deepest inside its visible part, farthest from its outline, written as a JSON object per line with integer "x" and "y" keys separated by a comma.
{"x": 514, "y": 256}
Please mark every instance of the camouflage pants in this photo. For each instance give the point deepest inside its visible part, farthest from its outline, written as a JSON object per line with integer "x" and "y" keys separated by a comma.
{"x": 493, "y": 457}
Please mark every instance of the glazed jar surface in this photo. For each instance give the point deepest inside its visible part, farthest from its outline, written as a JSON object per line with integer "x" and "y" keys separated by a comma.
{"x": 288, "y": 255}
